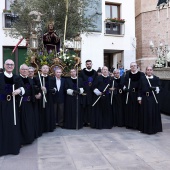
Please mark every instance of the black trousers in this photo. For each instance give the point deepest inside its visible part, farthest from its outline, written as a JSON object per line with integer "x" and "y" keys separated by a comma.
{"x": 59, "y": 113}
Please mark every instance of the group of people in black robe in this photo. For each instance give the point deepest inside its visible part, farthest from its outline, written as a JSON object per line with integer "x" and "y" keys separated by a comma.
{"x": 32, "y": 105}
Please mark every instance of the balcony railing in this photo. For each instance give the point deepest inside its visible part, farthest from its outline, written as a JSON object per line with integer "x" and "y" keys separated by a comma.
{"x": 114, "y": 28}
{"x": 9, "y": 19}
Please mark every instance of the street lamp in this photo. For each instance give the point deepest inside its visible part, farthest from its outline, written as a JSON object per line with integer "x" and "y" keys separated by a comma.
{"x": 77, "y": 44}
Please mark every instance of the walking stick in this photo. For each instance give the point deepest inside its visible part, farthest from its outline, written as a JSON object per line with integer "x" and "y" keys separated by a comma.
{"x": 41, "y": 86}
{"x": 100, "y": 95}
{"x": 128, "y": 92}
{"x": 152, "y": 91}
{"x": 77, "y": 108}
{"x": 13, "y": 88}
{"x": 112, "y": 92}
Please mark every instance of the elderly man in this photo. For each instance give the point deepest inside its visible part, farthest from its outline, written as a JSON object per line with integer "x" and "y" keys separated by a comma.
{"x": 73, "y": 111}
{"x": 148, "y": 99}
{"x": 37, "y": 113}
{"x": 101, "y": 117}
{"x": 132, "y": 107}
{"x": 26, "y": 108}
{"x": 47, "y": 121}
{"x": 59, "y": 97}
{"x": 9, "y": 126}
{"x": 117, "y": 98}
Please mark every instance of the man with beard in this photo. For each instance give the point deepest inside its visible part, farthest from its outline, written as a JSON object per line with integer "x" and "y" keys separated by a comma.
{"x": 26, "y": 108}
{"x": 9, "y": 129}
{"x": 117, "y": 98}
{"x": 101, "y": 117}
{"x": 148, "y": 99}
{"x": 132, "y": 110}
{"x": 88, "y": 76}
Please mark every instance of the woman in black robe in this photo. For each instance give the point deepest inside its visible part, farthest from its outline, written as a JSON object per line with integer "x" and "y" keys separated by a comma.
{"x": 148, "y": 98}
{"x": 101, "y": 117}
{"x": 73, "y": 118}
{"x": 9, "y": 133}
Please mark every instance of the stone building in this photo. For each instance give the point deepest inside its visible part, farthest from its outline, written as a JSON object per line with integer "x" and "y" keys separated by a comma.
{"x": 150, "y": 25}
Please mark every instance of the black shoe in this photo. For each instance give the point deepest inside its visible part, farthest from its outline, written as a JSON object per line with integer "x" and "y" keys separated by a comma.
{"x": 86, "y": 125}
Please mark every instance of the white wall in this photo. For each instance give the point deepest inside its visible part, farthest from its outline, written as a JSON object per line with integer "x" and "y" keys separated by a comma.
{"x": 93, "y": 45}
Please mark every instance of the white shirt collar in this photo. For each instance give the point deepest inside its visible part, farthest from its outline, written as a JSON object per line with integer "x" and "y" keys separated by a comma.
{"x": 44, "y": 75}
{"x": 149, "y": 77}
{"x": 89, "y": 70}
{"x": 74, "y": 77}
{"x": 117, "y": 78}
{"x": 104, "y": 76}
{"x": 58, "y": 78}
{"x": 7, "y": 74}
{"x": 23, "y": 76}
{"x": 134, "y": 72}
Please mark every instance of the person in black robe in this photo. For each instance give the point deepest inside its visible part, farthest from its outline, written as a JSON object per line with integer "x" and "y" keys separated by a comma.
{"x": 9, "y": 132}
{"x": 148, "y": 99}
{"x": 101, "y": 117}
{"x": 132, "y": 107}
{"x": 117, "y": 99}
{"x": 73, "y": 118}
{"x": 46, "y": 108}
{"x": 35, "y": 103}
{"x": 26, "y": 109}
{"x": 88, "y": 76}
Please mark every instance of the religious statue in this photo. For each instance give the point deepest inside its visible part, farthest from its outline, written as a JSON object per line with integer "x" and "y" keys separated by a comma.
{"x": 51, "y": 40}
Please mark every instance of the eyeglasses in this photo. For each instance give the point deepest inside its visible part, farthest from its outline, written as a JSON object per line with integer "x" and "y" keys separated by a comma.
{"x": 10, "y": 65}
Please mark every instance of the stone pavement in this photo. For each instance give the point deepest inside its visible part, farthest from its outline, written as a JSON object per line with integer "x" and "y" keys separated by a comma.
{"x": 91, "y": 149}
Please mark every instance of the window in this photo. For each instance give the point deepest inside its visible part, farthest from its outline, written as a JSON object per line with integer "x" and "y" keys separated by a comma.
{"x": 111, "y": 27}
{"x": 9, "y": 19}
{"x": 112, "y": 11}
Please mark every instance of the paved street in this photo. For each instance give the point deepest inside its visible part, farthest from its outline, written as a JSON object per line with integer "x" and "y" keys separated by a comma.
{"x": 91, "y": 149}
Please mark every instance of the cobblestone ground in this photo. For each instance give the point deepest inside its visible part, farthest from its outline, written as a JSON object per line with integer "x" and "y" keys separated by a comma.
{"x": 91, "y": 149}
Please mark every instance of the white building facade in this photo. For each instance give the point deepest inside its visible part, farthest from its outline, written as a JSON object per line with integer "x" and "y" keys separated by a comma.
{"x": 111, "y": 43}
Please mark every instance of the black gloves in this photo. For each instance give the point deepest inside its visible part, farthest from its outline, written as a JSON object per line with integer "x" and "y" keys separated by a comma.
{"x": 75, "y": 92}
{"x": 152, "y": 88}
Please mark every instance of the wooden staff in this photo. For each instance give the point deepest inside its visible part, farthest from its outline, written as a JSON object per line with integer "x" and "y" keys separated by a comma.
{"x": 13, "y": 88}
{"x": 128, "y": 92}
{"x": 112, "y": 91}
{"x": 100, "y": 95}
{"x": 41, "y": 86}
{"x": 152, "y": 91}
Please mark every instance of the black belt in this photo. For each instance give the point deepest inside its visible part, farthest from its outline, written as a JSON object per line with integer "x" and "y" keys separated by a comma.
{"x": 134, "y": 89}
{"x": 4, "y": 97}
{"x": 148, "y": 94}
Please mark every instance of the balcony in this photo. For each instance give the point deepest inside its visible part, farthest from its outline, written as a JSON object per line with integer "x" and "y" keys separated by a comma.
{"x": 9, "y": 19}
{"x": 114, "y": 28}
